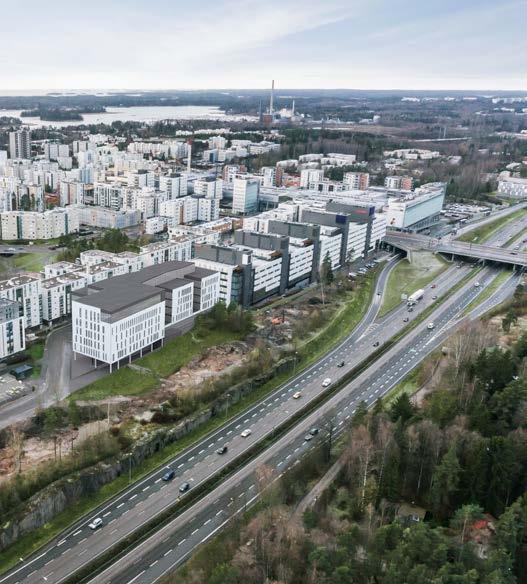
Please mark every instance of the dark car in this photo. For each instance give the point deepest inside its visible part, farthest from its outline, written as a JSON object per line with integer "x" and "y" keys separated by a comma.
{"x": 222, "y": 449}
{"x": 313, "y": 431}
{"x": 184, "y": 487}
{"x": 410, "y": 309}
{"x": 376, "y": 344}
{"x": 341, "y": 364}
{"x": 169, "y": 475}
{"x": 406, "y": 319}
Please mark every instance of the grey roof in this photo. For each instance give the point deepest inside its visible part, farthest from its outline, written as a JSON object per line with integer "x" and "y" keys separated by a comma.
{"x": 120, "y": 292}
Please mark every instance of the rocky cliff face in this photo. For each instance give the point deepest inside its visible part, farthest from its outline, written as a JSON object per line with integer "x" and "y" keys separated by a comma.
{"x": 45, "y": 505}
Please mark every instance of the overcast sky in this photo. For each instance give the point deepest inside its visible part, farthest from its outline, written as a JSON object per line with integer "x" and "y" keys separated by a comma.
{"x": 176, "y": 44}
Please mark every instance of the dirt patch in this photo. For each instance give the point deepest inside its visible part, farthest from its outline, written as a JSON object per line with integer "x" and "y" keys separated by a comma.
{"x": 37, "y": 451}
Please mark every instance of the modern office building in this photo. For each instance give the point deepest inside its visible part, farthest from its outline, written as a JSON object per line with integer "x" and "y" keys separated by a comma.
{"x": 416, "y": 210}
{"x": 118, "y": 318}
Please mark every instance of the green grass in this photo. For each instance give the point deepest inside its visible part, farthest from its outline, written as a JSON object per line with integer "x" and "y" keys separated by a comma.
{"x": 347, "y": 317}
{"x": 481, "y": 234}
{"x": 27, "y": 262}
{"x": 408, "y": 277}
{"x": 161, "y": 363}
{"x": 488, "y": 291}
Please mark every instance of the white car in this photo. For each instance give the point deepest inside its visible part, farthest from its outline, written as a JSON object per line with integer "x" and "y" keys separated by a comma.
{"x": 430, "y": 326}
{"x": 326, "y": 382}
{"x": 297, "y": 395}
{"x": 97, "y": 522}
{"x": 476, "y": 284}
{"x": 246, "y": 433}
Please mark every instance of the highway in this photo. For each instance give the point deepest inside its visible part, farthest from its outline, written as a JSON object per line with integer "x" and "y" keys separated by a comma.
{"x": 171, "y": 545}
{"x": 148, "y": 497}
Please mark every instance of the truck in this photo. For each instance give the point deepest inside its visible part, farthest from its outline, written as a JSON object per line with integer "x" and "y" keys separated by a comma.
{"x": 415, "y": 297}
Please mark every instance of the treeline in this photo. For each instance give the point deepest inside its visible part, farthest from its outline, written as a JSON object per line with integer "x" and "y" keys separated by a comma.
{"x": 113, "y": 240}
{"x": 459, "y": 457}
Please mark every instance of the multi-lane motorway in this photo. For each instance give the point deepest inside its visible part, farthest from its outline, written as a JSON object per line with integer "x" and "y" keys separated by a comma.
{"x": 150, "y": 496}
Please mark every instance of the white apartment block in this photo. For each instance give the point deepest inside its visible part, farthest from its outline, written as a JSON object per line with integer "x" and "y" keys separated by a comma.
{"x": 56, "y": 294}
{"x": 140, "y": 179}
{"x": 26, "y": 289}
{"x": 155, "y": 225}
{"x": 108, "y": 195}
{"x": 357, "y": 180}
{"x": 12, "y": 334}
{"x": 208, "y": 209}
{"x": 175, "y": 185}
{"x": 31, "y": 225}
{"x": 209, "y": 187}
{"x": 245, "y": 194}
{"x": 20, "y": 144}
{"x": 310, "y": 176}
{"x": 107, "y": 218}
{"x": 356, "y": 244}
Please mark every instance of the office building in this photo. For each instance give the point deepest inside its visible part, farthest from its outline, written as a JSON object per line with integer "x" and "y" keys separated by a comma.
{"x": 118, "y": 318}
{"x": 416, "y": 210}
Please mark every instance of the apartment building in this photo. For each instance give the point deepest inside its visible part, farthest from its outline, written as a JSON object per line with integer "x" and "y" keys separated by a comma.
{"x": 20, "y": 144}
{"x": 175, "y": 185}
{"x": 310, "y": 176}
{"x": 12, "y": 334}
{"x": 209, "y": 187}
{"x": 118, "y": 318}
{"x": 31, "y": 225}
{"x": 107, "y": 218}
{"x": 357, "y": 180}
{"x": 513, "y": 187}
{"x": 26, "y": 289}
{"x": 245, "y": 194}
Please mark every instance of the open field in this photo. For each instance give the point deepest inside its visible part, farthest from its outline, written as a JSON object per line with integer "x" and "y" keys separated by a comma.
{"x": 408, "y": 277}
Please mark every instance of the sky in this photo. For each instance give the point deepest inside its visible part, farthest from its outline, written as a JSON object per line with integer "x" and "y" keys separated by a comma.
{"x": 176, "y": 44}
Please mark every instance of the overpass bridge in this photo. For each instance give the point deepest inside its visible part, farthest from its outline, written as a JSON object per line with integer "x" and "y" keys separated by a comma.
{"x": 409, "y": 242}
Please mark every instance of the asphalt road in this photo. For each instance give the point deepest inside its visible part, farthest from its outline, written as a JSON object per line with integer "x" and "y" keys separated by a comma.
{"x": 171, "y": 545}
{"x": 151, "y": 495}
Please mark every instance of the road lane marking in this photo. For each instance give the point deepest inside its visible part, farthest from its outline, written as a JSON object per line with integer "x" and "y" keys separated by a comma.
{"x": 107, "y": 513}
{"x": 131, "y": 498}
{"x": 166, "y": 553}
{"x": 77, "y": 532}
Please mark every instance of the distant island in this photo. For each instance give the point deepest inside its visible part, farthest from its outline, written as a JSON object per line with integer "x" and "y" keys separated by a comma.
{"x": 62, "y": 114}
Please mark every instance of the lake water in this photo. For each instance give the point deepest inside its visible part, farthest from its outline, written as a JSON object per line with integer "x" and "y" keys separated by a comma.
{"x": 135, "y": 114}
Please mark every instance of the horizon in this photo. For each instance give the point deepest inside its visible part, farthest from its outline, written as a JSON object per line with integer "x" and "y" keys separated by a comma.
{"x": 442, "y": 45}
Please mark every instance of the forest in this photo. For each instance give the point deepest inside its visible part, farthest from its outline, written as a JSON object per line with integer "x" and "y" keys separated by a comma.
{"x": 428, "y": 490}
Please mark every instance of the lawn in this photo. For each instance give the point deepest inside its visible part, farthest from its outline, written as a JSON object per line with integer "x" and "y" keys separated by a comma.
{"x": 26, "y": 262}
{"x": 408, "y": 277}
{"x": 163, "y": 362}
{"x": 481, "y": 234}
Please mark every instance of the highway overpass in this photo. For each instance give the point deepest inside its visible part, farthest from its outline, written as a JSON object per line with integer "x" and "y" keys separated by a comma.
{"x": 410, "y": 242}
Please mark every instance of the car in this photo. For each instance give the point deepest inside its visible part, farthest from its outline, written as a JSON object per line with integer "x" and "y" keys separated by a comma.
{"x": 410, "y": 309}
{"x": 308, "y": 437}
{"x": 326, "y": 382}
{"x": 297, "y": 395}
{"x": 514, "y": 253}
{"x": 246, "y": 433}
{"x": 516, "y": 247}
{"x": 433, "y": 286}
{"x": 376, "y": 344}
{"x": 406, "y": 319}
{"x": 313, "y": 431}
{"x": 184, "y": 487}
{"x": 341, "y": 364}
{"x": 169, "y": 475}
{"x": 476, "y": 284}
{"x": 97, "y": 522}
{"x": 430, "y": 326}
{"x": 222, "y": 449}
{"x": 434, "y": 297}
{"x": 379, "y": 293}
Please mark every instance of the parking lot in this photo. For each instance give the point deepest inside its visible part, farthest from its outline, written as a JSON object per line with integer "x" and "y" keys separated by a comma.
{"x": 11, "y": 389}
